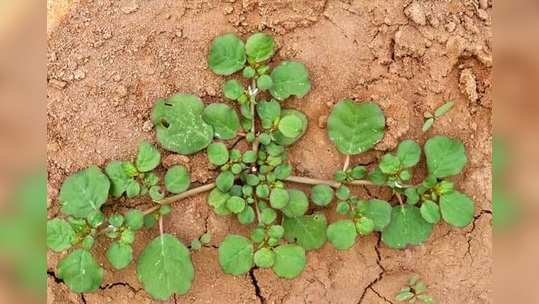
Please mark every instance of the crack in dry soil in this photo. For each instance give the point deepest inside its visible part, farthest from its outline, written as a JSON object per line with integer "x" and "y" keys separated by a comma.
{"x": 254, "y": 281}
{"x": 380, "y": 296}
{"x": 469, "y": 234}
{"x": 380, "y": 274}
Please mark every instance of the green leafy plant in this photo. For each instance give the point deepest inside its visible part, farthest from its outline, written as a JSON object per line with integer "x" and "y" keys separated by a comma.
{"x": 254, "y": 185}
{"x": 415, "y": 292}
{"x": 430, "y": 118}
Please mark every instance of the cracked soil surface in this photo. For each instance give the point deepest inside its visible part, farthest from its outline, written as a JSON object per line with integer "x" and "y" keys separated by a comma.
{"x": 108, "y": 61}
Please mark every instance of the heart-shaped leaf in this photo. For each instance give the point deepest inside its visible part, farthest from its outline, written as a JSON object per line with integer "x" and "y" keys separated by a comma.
{"x": 84, "y": 192}
{"x": 119, "y": 179}
{"x": 408, "y": 153}
{"x": 179, "y": 124}
{"x": 59, "y": 235}
{"x": 223, "y": 119}
{"x": 355, "y": 127}
{"x": 227, "y": 54}
{"x": 445, "y": 156}
{"x": 290, "y": 261}
{"x": 164, "y": 267}
{"x": 148, "y": 157}
{"x": 80, "y": 271}
{"x": 120, "y": 254}
{"x": 407, "y": 227}
{"x": 236, "y": 254}
{"x": 177, "y": 179}
{"x": 308, "y": 231}
{"x": 280, "y": 138}
{"x": 290, "y": 78}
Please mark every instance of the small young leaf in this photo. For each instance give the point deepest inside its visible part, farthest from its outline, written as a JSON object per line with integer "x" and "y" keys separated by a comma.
{"x": 133, "y": 188}
{"x": 177, "y": 179}
{"x": 88, "y": 242}
{"x": 343, "y": 193}
{"x": 80, "y": 271}
{"x": 446, "y": 107}
{"x": 282, "y": 171}
{"x": 308, "y": 231}
{"x": 84, "y": 192}
{"x": 225, "y": 181}
{"x": 427, "y": 124}
{"x": 218, "y": 154}
{"x": 404, "y": 296}
{"x": 412, "y": 197}
{"x": 60, "y": 235}
{"x": 342, "y": 208}
{"x": 457, "y": 209}
{"x": 430, "y": 212}
{"x": 148, "y": 157}
{"x": 236, "y": 255}
{"x": 358, "y": 172}
{"x": 179, "y": 124}
{"x": 276, "y": 231}
{"x": 390, "y": 164}
{"x": 279, "y": 198}
{"x": 205, "y": 238}
{"x": 268, "y": 216}
{"x": 227, "y": 54}
{"x": 377, "y": 177}
{"x": 164, "y": 267}
{"x": 426, "y": 299}
{"x": 118, "y": 178}
{"x": 380, "y": 212}
{"x": 290, "y": 78}
{"x": 120, "y": 255}
{"x": 445, "y": 156}
{"x": 322, "y": 195}
{"x": 289, "y": 261}
{"x": 233, "y": 89}
{"x": 196, "y": 244}
{"x": 223, "y": 119}
{"x": 264, "y": 82}
{"x": 217, "y": 200}
{"x": 128, "y": 236}
{"x": 408, "y": 153}
{"x": 365, "y": 226}
{"x": 258, "y": 234}
{"x": 235, "y": 204}
{"x": 342, "y": 234}
{"x": 355, "y": 127}
{"x": 268, "y": 111}
{"x": 290, "y": 126}
{"x": 297, "y": 204}
{"x": 249, "y": 72}
{"x": 264, "y": 258}
{"x": 155, "y": 193}
{"x": 407, "y": 227}
{"x": 260, "y": 47}
{"x": 95, "y": 219}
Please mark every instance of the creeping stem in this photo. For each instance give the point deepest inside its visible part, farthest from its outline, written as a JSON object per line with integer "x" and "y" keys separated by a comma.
{"x": 331, "y": 183}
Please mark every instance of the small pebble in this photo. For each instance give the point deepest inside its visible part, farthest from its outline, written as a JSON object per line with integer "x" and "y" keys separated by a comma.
{"x": 58, "y": 84}
{"x": 147, "y": 126}
{"x": 322, "y": 121}
{"x": 79, "y": 74}
{"x": 228, "y": 9}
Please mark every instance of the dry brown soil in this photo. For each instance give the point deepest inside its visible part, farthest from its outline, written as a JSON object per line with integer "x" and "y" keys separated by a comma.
{"x": 108, "y": 61}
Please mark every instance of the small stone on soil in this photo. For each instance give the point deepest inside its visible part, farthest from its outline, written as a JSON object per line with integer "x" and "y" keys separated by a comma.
{"x": 129, "y": 6}
{"x": 58, "y": 84}
{"x": 416, "y": 13}
{"x": 147, "y": 126}
{"x": 468, "y": 85}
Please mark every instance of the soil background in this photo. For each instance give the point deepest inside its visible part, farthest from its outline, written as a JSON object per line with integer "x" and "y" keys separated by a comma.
{"x": 108, "y": 61}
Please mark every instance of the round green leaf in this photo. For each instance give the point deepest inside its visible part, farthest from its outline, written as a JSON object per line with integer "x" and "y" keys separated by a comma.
{"x": 355, "y": 127}
{"x": 276, "y": 231}
{"x": 390, "y": 164}
{"x": 322, "y": 194}
{"x": 235, "y": 204}
{"x": 457, "y": 209}
{"x": 247, "y": 216}
{"x": 218, "y": 154}
{"x": 225, "y": 181}
{"x": 179, "y": 124}
{"x": 120, "y": 255}
{"x": 342, "y": 234}
{"x": 155, "y": 193}
{"x": 445, "y": 156}
{"x": 280, "y": 138}
{"x": 118, "y": 178}
{"x": 264, "y": 258}
{"x": 430, "y": 212}
{"x": 260, "y": 47}
{"x": 164, "y": 267}
{"x": 408, "y": 153}
{"x": 297, "y": 203}
{"x": 343, "y": 193}
{"x": 177, "y": 179}
{"x": 380, "y": 212}
{"x": 308, "y": 231}
{"x": 223, "y": 119}
{"x": 233, "y": 89}
{"x": 279, "y": 198}
{"x": 80, "y": 271}
{"x": 407, "y": 227}
{"x": 264, "y": 82}
{"x": 95, "y": 219}
{"x": 249, "y": 72}
{"x": 268, "y": 111}
{"x": 268, "y": 216}
{"x": 289, "y": 261}
{"x": 59, "y": 235}
{"x": 290, "y": 78}
{"x": 217, "y": 200}
{"x": 236, "y": 255}
{"x": 227, "y": 54}
{"x": 84, "y": 192}
{"x": 148, "y": 157}
{"x": 290, "y": 126}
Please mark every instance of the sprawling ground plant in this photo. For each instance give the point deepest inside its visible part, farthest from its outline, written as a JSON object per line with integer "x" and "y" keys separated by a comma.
{"x": 415, "y": 292}
{"x": 253, "y": 185}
